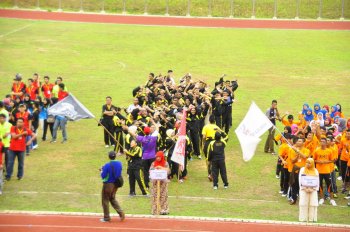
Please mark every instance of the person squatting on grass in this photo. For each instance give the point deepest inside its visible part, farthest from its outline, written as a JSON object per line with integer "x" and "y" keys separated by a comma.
{"x": 321, "y": 133}
{"x": 110, "y": 172}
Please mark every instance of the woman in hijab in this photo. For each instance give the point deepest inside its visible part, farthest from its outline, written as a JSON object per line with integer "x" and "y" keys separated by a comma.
{"x": 309, "y": 116}
{"x": 328, "y": 122}
{"x": 160, "y": 164}
{"x": 294, "y": 129}
{"x": 334, "y": 110}
{"x": 339, "y": 110}
{"x": 305, "y": 107}
{"x": 317, "y": 110}
{"x": 308, "y": 199}
{"x": 320, "y": 119}
{"x": 341, "y": 122}
{"x": 335, "y": 129}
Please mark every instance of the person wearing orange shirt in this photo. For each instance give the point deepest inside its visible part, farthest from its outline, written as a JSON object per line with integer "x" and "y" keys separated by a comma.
{"x": 283, "y": 155}
{"x": 18, "y": 88}
{"x": 323, "y": 158}
{"x": 334, "y": 148}
{"x": 289, "y": 121}
{"x": 344, "y": 146}
{"x": 298, "y": 155}
{"x": 311, "y": 142}
{"x": 32, "y": 90}
{"x": 47, "y": 87}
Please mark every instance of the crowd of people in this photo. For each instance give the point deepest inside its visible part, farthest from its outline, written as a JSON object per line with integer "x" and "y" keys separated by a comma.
{"x": 322, "y": 134}
{"x": 24, "y": 112}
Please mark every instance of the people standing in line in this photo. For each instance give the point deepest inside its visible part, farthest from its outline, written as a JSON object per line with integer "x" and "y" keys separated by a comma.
{"x": 216, "y": 155}
{"x": 19, "y": 134}
{"x": 160, "y": 164}
{"x": 273, "y": 114}
{"x": 110, "y": 172}
{"x": 308, "y": 200}
{"x": 108, "y": 112}
{"x": 5, "y": 136}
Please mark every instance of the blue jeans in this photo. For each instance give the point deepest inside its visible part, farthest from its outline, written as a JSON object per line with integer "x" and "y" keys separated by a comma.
{"x": 11, "y": 161}
{"x": 29, "y": 147}
{"x": 62, "y": 124}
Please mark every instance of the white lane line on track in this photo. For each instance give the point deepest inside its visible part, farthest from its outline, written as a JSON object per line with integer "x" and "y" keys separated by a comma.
{"x": 96, "y": 227}
{"x": 179, "y": 197}
{"x": 16, "y": 30}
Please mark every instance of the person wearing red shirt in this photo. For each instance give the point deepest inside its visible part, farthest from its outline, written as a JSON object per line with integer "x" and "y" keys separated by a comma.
{"x": 61, "y": 93}
{"x": 32, "y": 90}
{"x": 18, "y": 87}
{"x": 36, "y": 81}
{"x": 25, "y": 115}
{"x": 47, "y": 87}
{"x": 18, "y": 145}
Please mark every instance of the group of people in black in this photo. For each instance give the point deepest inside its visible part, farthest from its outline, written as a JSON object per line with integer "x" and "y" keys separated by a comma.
{"x": 156, "y": 111}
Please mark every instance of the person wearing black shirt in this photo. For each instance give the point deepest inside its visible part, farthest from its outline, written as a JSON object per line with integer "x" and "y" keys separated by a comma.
{"x": 273, "y": 114}
{"x": 108, "y": 112}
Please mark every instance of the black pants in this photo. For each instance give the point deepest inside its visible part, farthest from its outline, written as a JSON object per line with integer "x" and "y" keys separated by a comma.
{"x": 136, "y": 174}
{"x": 284, "y": 180}
{"x": 205, "y": 150}
{"x": 278, "y": 166}
{"x": 295, "y": 187}
{"x": 227, "y": 121}
{"x": 108, "y": 124}
{"x": 219, "y": 166}
{"x": 343, "y": 169}
{"x": 5, "y": 150}
{"x": 46, "y": 126}
{"x": 119, "y": 146}
{"x": 146, "y": 166}
{"x": 108, "y": 196}
{"x": 327, "y": 178}
{"x": 194, "y": 136}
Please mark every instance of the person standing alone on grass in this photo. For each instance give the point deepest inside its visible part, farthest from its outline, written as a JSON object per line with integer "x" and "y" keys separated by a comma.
{"x": 108, "y": 112}
{"x": 110, "y": 172}
{"x": 273, "y": 114}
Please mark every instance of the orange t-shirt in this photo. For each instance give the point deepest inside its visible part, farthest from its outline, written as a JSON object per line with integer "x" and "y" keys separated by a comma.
{"x": 323, "y": 155}
{"x": 283, "y": 152}
{"x": 312, "y": 145}
{"x": 344, "y": 153}
{"x": 286, "y": 122}
{"x": 300, "y": 161}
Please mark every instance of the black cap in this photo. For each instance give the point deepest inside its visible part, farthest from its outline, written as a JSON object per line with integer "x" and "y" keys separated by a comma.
{"x": 112, "y": 154}
{"x": 18, "y": 77}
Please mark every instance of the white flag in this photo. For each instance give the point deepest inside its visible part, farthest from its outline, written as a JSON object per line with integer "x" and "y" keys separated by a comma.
{"x": 178, "y": 155}
{"x": 254, "y": 124}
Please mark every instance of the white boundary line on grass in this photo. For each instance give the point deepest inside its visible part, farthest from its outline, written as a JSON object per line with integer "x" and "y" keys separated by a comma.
{"x": 16, "y": 30}
{"x": 180, "y": 197}
{"x": 181, "y": 218}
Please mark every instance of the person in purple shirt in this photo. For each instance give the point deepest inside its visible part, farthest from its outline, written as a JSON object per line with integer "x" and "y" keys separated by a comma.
{"x": 149, "y": 147}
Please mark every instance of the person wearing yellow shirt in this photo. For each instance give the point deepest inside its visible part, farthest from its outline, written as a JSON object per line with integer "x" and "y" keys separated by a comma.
{"x": 283, "y": 156}
{"x": 298, "y": 155}
{"x": 334, "y": 148}
{"x": 208, "y": 135}
{"x": 290, "y": 120}
{"x": 323, "y": 158}
{"x": 311, "y": 142}
{"x": 344, "y": 146}
{"x": 56, "y": 87}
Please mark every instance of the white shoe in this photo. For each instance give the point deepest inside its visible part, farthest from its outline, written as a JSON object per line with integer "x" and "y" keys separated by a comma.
{"x": 181, "y": 181}
{"x": 277, "y": 176}
{"x": 199, "y": 157}
{"x": 321, "y": 201}
{"x": 339, "y": 178}
{"x": 225, "y": 186}
{"x": 0, "y": 192}
{"x": 280, "y": 192}
{"x": 347, "y": 197}
{"x": 107, "y": 146}
{"x": 215, "y": 188}
{"x": 35, "y": 147}
{"x": 333, "y": 202}
{"x": 284, "y": 195}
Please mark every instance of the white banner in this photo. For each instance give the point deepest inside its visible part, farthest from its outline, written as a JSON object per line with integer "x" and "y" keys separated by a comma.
{"x": 254, "y": 124}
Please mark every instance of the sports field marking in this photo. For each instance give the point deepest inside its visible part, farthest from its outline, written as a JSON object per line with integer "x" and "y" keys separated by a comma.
{"x": 123, "y": 65}
{"x": 97, "y": 227}
{"x": 55, "y": 214}
{"x": 178, "y": 197}
{"x": 16, "y": 30}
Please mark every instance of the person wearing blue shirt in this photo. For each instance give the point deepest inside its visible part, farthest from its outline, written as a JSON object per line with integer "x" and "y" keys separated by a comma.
{"x": 109, "y": 173}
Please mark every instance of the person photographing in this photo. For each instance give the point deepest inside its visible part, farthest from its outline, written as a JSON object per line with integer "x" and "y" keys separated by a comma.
{"x": 110, "y": 173}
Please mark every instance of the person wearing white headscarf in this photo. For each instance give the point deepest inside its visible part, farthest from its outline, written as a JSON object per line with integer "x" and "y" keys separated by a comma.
{"x": 320, "y": 119}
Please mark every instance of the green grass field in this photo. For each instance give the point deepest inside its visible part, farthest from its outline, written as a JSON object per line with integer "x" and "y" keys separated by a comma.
{"x": 292, "y": 66}
{"x": 309, "y": 9}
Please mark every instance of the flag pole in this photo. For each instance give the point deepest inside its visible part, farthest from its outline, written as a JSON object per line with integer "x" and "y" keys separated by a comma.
{"x": 108, "y": 132}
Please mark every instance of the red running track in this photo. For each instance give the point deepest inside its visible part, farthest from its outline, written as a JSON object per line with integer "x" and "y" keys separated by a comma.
{"x": 175, "y": 21}
{"x": 60, "y": 223}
